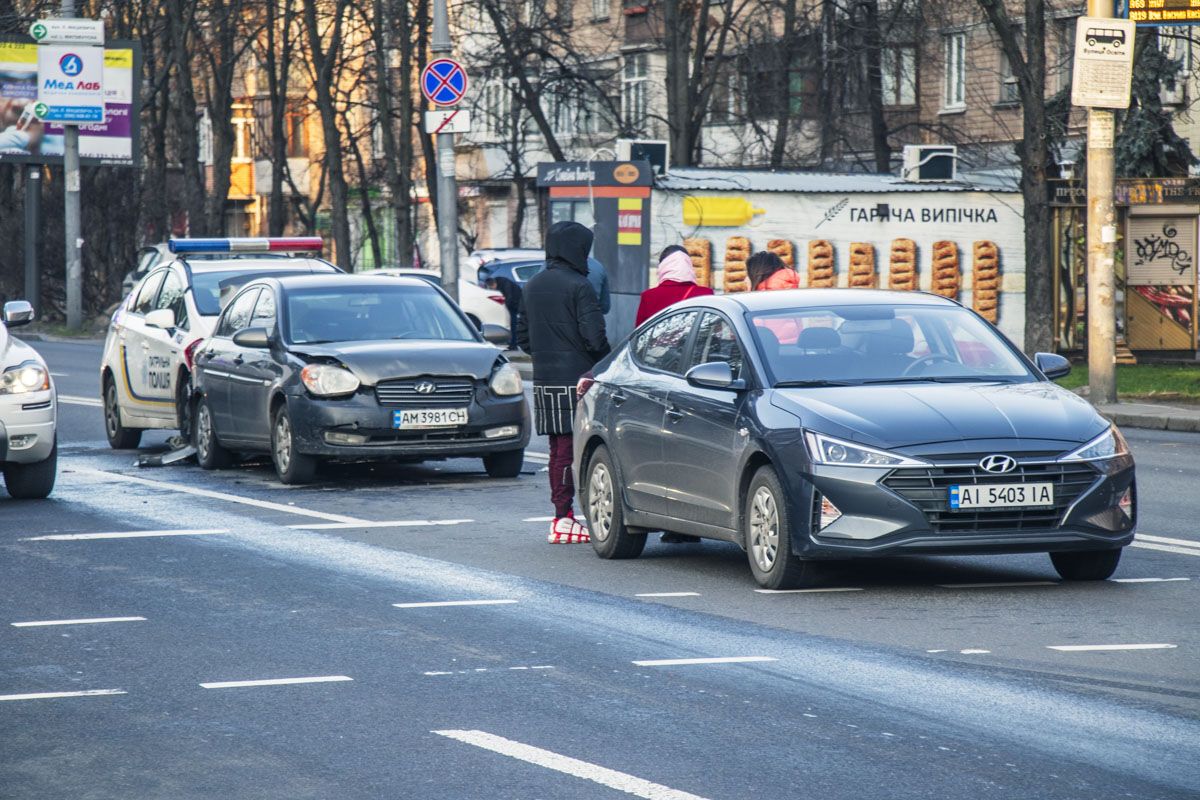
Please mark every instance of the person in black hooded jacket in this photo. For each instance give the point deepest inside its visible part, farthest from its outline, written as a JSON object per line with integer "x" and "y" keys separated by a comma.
{"x": 562, "y": 327}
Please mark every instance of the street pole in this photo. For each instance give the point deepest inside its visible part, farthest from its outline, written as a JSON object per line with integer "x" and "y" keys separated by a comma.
{"x": 33, "y": 227}
{"x": 71, "y": 212}
{"x": 1101, "y": 245}
{"x": 447, "y": 184}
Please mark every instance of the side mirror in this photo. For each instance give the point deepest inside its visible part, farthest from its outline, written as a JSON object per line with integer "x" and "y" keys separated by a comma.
{"x": 257, "y": 338}
{"x": 1052, "y": 365}
{"x": 18, "y": 312}
{"x": 161, "y": 318}
{"x": 496, "y": 334}
{"x": 714, "y": 375}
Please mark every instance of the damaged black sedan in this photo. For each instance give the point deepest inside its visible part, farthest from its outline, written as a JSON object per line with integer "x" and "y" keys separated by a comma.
{"x": 311, "y": 368}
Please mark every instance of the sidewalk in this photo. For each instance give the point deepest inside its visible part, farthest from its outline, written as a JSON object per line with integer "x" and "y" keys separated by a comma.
{"x": 1156, "y": 416}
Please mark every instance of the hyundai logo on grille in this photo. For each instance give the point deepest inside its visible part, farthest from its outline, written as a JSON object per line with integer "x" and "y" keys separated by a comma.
{"x": 998, "y": 464}
{"x": 426, "y": 387}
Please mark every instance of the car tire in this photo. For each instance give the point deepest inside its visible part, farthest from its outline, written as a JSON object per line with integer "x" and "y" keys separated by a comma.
{"x": 605, "y": 511}
{"x": 209, "y": 452}
{"x": 291, "y": 465}
{"x": 504, "y": 465}
{"x": 1086, "y": 565}
{"x": 32, "y": 481}
{"x": 185, "y": 409}
{"x": 768, "y": 534}
{"x": 119, "y": 437}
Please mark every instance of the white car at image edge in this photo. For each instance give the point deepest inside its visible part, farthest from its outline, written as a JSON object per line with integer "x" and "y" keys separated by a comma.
{"x": 28, "y": 412}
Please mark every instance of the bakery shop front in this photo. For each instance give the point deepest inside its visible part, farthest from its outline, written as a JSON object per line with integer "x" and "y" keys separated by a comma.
{"x": 962, "y": 239}
{"x": 1156, "y": 275}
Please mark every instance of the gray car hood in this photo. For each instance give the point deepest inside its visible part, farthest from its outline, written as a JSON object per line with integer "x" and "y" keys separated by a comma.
{"x": 901, "y": 416}
{"x": 372, "y": 362}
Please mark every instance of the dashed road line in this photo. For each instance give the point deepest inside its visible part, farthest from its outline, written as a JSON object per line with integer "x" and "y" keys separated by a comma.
{"x": 402, "y": 523}
{"x": 1085, "y": 648}
{"x": 683, "y": 662}
{"x": 538, "y": 519}
{"x": 449, "y": 603}
{"x": 486, "y": 669}
{"x": 668, "y": 594}
{"x": 93, "y": 402}
{"x": 533, "y": 455}
{"x": 1185, "y": 547}
{"x": 276, "y": 682}
{"x": 972, "y": 651}
{"x": 999, "y": 585}
{"x": 810, "y": 591}
{"x": 57, "y": 695}
{"x": 78, "y": 537}
{"x": 90, "y": 621}
{"x": 1147, "y": 580}
{"x": 621, "y": 781}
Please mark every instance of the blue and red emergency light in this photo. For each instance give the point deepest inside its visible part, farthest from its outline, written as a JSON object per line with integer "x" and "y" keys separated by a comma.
{"x": 293, "y": 244}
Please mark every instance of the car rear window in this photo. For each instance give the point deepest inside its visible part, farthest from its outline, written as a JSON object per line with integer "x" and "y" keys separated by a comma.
{"x": 213, "y": 290}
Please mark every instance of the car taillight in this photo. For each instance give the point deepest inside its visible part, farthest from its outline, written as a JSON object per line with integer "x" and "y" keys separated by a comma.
{"x": 496, "y": 298}
{"x": 189, "y": 352}
{"x": 585, "y": 383}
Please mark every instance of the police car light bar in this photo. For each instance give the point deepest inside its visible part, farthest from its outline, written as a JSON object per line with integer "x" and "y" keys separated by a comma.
{"x": 293, "y": 244}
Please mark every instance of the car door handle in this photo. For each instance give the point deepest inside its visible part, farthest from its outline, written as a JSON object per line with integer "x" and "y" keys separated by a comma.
{"x": 238, "y": 360}
{"x": 619, "y": 398}
{"x": 674, "y": 414}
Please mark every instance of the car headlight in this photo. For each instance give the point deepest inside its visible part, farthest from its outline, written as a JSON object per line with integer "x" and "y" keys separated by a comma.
{"x": 506, "y": 381}
{"x": 24, "y": 378}
{"x": 327, "y": 380}
{"x": 1109, "y": 444}
{"x": 839, "y": 453}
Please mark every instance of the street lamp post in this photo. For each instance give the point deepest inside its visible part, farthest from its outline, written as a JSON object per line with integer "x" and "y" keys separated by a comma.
{"x": 1101, "y": 245}
{"x": 447, "y": 184}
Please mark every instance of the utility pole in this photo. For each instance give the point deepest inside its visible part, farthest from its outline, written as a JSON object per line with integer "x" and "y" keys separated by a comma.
{"x": 1101, "y": 243}
{"x": 33, "y": 228}
{"x": 71, "y": 216}
{"x": 447, "y": 184}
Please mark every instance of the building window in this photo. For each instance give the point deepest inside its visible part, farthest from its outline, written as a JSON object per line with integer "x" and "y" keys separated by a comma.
{"x": 954, "y": 94}
{"x": 296, "y": 131}
{"x": 726, "y": 95}
{"x": 1010, "y": 92}
{"x": 495, "y": 106}
{"x": 1066, "y": 53}
{"x": 243, "y": 139}
{"x": 1177, "y": 48}
{"x": 565, "y": 12}
{"x": 634, "y": 81}
{"x": 899, "y": 68}
{"x": 601, "y": 9}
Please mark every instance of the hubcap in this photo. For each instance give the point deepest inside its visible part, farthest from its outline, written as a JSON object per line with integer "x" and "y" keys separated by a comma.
{"x": 111, "y": 415}
{"x": 600, "y": 502}
{"x": 203, "y": 431}
{"x": 283, "y": 442}
{"x": 764, "y": 529}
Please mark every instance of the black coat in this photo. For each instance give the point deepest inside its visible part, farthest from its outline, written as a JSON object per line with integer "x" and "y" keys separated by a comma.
{"x": 511, "y": 292}
{"x": 561, "y": 324}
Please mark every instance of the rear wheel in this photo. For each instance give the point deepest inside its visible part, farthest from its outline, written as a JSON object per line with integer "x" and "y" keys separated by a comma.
{"x": 504, "y": 465}
{"x": 605, "y": 511}
{"x": 209, "y": 452}
{"x": 291, "y": 465}
{"x": 1088, "y": 565}
{"x": 768, "y": 533}
{"x": 32, "y": 481}
{"x": 184, "y": 407}
{"x": 119, "y": 437}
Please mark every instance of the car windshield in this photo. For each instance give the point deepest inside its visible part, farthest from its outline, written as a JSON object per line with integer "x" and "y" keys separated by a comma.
{"x": 371, "y": 313}
{"x": 855, "y": 344}
{"x": 212, "y": 290}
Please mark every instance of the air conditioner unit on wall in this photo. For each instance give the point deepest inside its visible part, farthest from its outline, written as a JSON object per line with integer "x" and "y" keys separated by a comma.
{"x": 930, "y": 162}
{"x": 656, "y": 151}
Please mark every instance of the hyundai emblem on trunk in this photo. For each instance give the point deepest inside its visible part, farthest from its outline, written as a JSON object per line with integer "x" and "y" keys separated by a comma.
{"x": 998, "y": 463}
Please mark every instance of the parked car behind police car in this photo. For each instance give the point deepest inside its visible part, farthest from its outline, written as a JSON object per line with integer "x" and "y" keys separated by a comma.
{"x": 145, "y": 374}
{"x": 28, "y": 408}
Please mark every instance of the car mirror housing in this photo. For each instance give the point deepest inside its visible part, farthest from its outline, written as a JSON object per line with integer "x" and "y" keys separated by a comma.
{"x": 496, "y": 334}
{"x": 714, "y": 375}
{"x": 161, "y": 318}
{"x": 257, "y": 338}
{"x": 1052, "y": 365}
{"x": 18, "y": 312}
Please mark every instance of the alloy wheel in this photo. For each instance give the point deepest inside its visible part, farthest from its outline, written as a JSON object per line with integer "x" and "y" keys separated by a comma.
{"x": 764, "y": 528}
{"x": 112, "y": 420}
{"x": 283, "y": 442}
{"x": 203, "y": 431}
{"x": 600, "y": 502}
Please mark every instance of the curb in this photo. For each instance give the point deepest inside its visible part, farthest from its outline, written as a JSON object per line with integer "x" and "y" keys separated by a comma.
{"x": 1159, "y": 422}
{"x": 46, "y": 337}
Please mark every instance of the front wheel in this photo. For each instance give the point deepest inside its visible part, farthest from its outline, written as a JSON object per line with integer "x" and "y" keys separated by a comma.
{"x": 291, "y": 465}
{"x": 768, "y": 533}
{"x": 1088, "y": 565}
{"x": 119, "y": 437}
{"x": 32, "y": 481}
{"x": 504, "y": 465}
{"x": 606, "y": 513}
{"x": 209, "y": 452}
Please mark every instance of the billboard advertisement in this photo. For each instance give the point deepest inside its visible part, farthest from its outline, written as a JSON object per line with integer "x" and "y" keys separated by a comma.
{"x": 24, "y": 138}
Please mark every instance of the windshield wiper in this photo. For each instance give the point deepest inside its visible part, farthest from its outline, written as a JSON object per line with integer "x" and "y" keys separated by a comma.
{"x": 944, "y": 379}
{"x": 812, "y": 383}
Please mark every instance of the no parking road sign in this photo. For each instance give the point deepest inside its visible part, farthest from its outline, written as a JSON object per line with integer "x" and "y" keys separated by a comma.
{"x": 444, "y": 82}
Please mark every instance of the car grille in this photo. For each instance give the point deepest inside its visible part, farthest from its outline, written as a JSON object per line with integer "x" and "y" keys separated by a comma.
{"x": 929, "y": 490}
{"x": 447, "y": 393}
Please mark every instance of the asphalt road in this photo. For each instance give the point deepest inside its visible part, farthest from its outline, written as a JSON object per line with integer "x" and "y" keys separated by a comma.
{"x": 906, "y": 678}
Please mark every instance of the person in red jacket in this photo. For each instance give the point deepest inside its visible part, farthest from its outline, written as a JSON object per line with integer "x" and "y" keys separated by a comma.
{"x": 676, "y": 282}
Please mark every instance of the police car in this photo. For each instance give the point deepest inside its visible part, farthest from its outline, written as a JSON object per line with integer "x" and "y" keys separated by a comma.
{"x": 145, "y": 375}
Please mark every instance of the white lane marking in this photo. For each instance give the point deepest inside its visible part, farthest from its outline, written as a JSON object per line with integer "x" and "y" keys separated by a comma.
{"x": 229, "y": 498}
{"x": 55, "y": 695}
{"x": 1083, "y": 648}
{"x": 1147, "y": 580}
{"x": 809, "y": 591}
{"x": 402, "y": 523}
{"x": 77, "y": 537}
{"x": 621, "y": 781}
{"x": 485, "y": 669}
{"x": 668, "y": 594}
{"x": 533, "y": 455}
{"x": 538, "y": 519}
{"x": 59, "y": 375}
{"x": 91, "y": 621}
{"x": 1141, "y": 537}
{"x": 973, "y": 652}
{"x": 445, "y": 603}
{"x": 1166, "y": 548}
{"x": 80, "y": 401}
{"x": 276, "y": 682}
{"x": 679, "y": 662}
{"x": 935, "y": 651}
{"x": 996, "y": 585}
